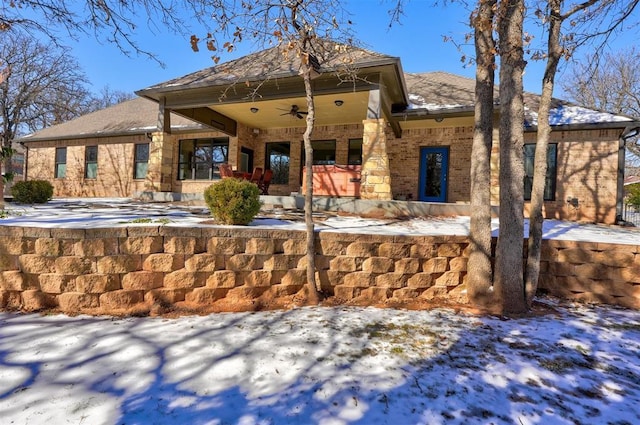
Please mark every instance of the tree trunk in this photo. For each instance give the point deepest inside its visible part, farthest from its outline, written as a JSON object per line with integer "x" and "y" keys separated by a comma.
{"x": 542, "y": 144}
{"x": 5, "y": 163}
{"x": 313, "y": 294}
{"x": 1, "y": 190}
{"x": 509, "y": 273}
{"x": 480, "y": 287}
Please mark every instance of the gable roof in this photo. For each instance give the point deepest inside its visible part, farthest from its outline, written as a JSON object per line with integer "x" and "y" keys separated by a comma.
{"x": 135, "y": 116}
{"x": 272, "y": 63}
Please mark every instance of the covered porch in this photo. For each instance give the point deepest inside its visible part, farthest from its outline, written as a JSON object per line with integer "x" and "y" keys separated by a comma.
{"x": 263, "y": 116}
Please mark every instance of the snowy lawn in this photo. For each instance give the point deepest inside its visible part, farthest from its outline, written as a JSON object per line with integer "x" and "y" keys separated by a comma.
{"x": 569, "y": 364}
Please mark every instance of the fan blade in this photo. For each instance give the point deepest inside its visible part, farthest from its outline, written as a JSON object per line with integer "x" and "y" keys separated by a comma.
{"x": 299, "y": 115}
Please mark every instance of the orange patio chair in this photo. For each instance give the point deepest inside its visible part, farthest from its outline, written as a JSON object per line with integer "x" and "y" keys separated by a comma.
{"x": 225, "y": 171}
{"x": 264, "y": 183}
{"x": 256, "y": 176}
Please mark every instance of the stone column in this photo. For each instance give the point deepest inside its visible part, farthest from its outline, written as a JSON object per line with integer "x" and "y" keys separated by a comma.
{"x": 375, "y": 179}
{"x": 159, "y": 175}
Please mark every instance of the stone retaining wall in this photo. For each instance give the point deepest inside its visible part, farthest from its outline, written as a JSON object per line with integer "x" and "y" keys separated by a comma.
{"x": 112, "y": 269}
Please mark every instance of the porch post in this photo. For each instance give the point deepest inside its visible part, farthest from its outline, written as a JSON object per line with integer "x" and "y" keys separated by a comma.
{"x": 159, "y": 174}
{"x": 375, "y": 179}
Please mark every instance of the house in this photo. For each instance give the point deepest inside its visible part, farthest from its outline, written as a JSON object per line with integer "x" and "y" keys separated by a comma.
{"x": 380, "y": 134}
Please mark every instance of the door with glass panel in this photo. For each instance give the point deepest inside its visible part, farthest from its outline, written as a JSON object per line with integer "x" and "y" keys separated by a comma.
{"x": 434, "y": 165}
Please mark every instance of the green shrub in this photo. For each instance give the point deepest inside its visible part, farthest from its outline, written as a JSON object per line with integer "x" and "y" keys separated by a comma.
{"x": 633, "y": 195}
{"x": 233, "y": 201}
{"x": 32, "y": 192}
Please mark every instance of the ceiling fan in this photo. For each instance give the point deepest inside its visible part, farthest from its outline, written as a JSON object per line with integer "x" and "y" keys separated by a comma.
{"x": 295, "y": 112}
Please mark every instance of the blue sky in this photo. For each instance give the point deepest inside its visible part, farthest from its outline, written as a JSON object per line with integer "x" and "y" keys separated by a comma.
{"x": 417, "y": 40}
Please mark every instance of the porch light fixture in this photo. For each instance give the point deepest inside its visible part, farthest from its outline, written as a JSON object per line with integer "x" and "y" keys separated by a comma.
{"x": 338, "y": 102}
{"x": 254, "y": 110}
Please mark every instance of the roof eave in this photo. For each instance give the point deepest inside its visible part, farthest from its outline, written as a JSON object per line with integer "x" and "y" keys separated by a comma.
{"x": 422, "y": 113}
{"x": 587, "y": 126}
{"x": 174, "y": 130}
{"x": 153, "y": 93}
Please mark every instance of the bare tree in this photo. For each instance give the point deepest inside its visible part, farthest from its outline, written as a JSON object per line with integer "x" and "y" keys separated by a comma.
{"x": 43, "y": 85}
{"x": 479, "y": 267}
{"x": 609, "y": 82}
{"x": 300, "y": 28}
{"x": 508, "y": 280}
{"x": 106, "y": 97}
{"x": 113, "y": 21}
{"x": 609, "y": 15}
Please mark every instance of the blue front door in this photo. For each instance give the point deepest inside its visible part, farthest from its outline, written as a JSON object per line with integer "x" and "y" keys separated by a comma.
{"x": 434, "y": 164}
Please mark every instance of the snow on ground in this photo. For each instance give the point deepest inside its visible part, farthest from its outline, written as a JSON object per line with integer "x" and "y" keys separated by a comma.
{"x": 109, "y": 212}
{"x": 342, "y": 365}
{"x": 574, "y": 364}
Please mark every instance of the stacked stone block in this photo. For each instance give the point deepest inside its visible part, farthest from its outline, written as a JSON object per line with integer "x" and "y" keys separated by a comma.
{"x": 116, "y": 269}
{"x": 593, "y": 272}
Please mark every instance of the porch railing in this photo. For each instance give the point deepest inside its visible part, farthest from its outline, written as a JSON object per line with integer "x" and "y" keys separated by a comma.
{"x": 631, "y": 214}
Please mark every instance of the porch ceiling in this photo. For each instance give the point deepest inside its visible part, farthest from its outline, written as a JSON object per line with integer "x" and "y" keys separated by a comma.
{"x": 273, "y": 113}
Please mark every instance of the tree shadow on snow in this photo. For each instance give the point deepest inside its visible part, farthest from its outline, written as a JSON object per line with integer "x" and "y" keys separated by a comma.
{"x": 323, "y": 366}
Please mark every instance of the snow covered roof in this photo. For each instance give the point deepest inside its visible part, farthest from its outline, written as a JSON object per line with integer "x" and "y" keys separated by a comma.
{"x": 444, "y": 93}
{"x": 566, "y": 114}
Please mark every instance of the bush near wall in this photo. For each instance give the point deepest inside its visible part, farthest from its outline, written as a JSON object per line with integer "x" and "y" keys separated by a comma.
{"x": 233, "y": 201}
{"x": 32, "y": 192}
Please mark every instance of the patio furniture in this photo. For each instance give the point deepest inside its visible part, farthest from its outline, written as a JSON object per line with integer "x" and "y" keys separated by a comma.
{"x": 264, "y": 183}
{"x": 242, "y": 175}
{"x": 225, "y": 171}
{"x": 256, "y": 176}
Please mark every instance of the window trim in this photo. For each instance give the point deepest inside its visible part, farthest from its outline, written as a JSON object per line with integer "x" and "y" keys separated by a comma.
{"x": 137, "y": 160}
{"x": 552, "y": 149}
{"x": 87, "y": 162}
{"x": 317, "y": 161}
{"x": 349, "y": 161}
{"x": 267, "y": 162}
{"x": 190, "y": 163}
{"x": 56, "y": 170}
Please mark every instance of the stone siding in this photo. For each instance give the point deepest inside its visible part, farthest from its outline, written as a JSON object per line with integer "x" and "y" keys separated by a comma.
{"x": 115, "y": 269}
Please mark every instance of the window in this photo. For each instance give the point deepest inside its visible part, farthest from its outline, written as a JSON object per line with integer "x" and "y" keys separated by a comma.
{"x": 199, "y": 158}
{"x": 278, "y": 158}
{"x": 91, "y": 162}
{"x": 550, "y": 181}
{"x": 17, "y": 164}
{"x": 141, "y": 160}
{"x": 60, "y": 171}
{"x": 324, "y": 152}
{"x": 355, "y": 152}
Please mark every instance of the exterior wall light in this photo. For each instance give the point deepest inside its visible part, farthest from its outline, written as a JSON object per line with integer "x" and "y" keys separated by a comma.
{"x": 338, "y": 102}
{"x": 254, "y": 110}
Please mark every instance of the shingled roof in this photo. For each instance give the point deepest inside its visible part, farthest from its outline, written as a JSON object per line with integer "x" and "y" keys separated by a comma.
{"x": 435, "y": 92}
{"x": 442, "y": 92}
{"x": 136, "y": 116}
{"x": 275, "y": 62}
{"x": 439, "y": 90}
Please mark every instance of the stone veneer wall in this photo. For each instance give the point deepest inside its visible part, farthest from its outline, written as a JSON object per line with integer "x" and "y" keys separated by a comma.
{"x": 112, "y": 269}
